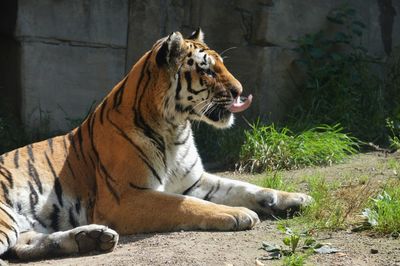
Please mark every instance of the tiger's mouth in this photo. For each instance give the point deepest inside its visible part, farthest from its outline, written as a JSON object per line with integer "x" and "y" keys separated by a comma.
{"x": 241, "y": 103}
{"x": 217, "y": 113}
{"x": 221, "y": 112}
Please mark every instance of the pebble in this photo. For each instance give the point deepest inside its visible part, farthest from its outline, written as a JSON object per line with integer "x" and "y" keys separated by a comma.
{"x": 374, "y": 251}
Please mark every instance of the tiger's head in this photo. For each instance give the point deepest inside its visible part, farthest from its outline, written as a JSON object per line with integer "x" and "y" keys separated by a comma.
{"x": 200, "y": 86}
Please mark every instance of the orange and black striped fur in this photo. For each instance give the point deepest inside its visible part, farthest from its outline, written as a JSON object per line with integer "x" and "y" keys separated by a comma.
{"x": 132, "y": 165}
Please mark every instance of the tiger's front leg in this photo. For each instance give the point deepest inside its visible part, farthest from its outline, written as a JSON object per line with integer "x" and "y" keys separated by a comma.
{"x": 143, "y": 211}
{"x": 237, "y": 193}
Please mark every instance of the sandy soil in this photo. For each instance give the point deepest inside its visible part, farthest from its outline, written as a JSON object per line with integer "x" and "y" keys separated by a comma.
{"x": 243, "y": 248}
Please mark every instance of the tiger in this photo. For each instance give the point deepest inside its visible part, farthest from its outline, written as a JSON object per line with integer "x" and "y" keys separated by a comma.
{"x": 132, "y": 165}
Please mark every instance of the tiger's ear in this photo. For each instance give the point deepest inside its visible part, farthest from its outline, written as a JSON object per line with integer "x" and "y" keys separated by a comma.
{"x": 171, "y": 50}
{"x": 197, "y": 35}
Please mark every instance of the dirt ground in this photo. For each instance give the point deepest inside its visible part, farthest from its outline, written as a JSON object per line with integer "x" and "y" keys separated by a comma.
{"x": 243, "y": 248}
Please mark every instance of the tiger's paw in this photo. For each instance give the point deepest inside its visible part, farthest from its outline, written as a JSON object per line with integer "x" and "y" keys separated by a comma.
{"x": 245, "y": 219}
{"x": 281, "y": 203}
{"x": 234, "y": 219}
{"x": 95, "y": 237}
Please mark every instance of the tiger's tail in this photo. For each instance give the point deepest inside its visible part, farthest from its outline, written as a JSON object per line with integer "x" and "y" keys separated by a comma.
{"x": 9, "y": 230}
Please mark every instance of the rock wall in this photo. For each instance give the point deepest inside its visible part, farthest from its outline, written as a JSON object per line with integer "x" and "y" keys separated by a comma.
{"x": 71, "y": 54}
{"x": 73, "y": 51}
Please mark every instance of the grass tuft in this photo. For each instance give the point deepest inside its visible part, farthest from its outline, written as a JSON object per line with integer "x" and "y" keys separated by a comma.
{"x": 275, "y": 180}
{"x": 325, "y": 211}
{"x": 336, "y": 204}
{"x": 394, "y": 136}
{"x": 269, "y": 148}
{"x": 383, "y": 212}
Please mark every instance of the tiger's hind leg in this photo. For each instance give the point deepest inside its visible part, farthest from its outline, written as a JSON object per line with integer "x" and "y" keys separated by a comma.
{"x": 80, "y": 240}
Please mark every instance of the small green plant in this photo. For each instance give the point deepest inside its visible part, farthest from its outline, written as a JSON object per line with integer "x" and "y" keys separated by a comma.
{"x": 294, "y": 259}
{"x": 394, "y": 136}
{"x": 292, "y": 254}
{"x": 383, "y": 212}
{"x": 392, "y": 92}
{"x": 292, "y": 240}
{"x": 267, "y": 147}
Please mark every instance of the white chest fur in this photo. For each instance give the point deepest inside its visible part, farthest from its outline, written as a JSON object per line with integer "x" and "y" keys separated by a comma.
{"x": 183, "y": 163}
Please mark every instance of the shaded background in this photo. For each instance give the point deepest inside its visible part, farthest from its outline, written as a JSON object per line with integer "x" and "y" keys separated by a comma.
{"x": 57, "y": 57}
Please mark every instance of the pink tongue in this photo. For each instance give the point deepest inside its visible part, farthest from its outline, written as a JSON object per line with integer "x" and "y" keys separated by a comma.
{"x": 241, "y": 106}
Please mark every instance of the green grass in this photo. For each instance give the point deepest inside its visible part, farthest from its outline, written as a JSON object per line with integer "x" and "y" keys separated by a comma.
{"x": 394, "y": 135}
{"x": 326, "y": 211}
{"x": 267, "y": 147}
{"x": 336, "y": 203}
{"x": 275, "y": 180}
{"x": 394, "y": 165}
{"x": 383, "y": 212}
